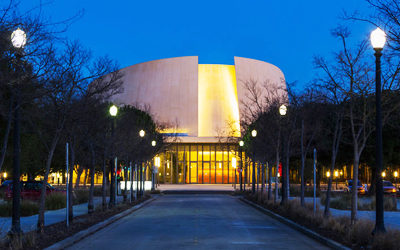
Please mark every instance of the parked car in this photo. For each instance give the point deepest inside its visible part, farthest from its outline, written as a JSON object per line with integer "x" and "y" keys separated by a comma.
{"x": 31, "y": 190}
{"x": 5, "y": 184}
{"x": 349, "y": 186}
{"x": 388, "y": 188}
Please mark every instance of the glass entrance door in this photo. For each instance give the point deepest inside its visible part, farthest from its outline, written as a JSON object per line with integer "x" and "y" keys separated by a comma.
{"x": 193, "y": 172}
{"x": 206, "y": 172}
{"x": 218, "y": 171}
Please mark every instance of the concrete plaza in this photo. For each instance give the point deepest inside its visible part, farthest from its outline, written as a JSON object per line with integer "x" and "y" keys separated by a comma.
{"x": 197, "y": 222}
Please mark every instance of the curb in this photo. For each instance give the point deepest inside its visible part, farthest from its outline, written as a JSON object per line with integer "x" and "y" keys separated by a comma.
{"x": 328, "y": 242}
{"x": 93, "y": 229}
{"x": 167, "y": 192}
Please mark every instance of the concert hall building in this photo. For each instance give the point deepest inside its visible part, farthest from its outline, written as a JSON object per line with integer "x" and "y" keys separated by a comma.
{"x": 202, "y": 104}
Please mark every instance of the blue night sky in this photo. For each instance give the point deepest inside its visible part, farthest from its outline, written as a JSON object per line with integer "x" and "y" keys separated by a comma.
{"x": 286, "y": 33}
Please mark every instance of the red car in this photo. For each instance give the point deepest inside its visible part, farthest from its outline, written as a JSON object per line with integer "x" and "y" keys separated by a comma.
{"x": 30, "y": 190}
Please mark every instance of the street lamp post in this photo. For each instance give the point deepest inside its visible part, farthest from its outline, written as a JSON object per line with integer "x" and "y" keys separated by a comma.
{"x": 282, "y": 112}
{"x": 378, "y": 39}
{"x": 253, "y": 174}
{"x": 142, "y": 133}
{"x": 113, "y": 110}
{"x": 241, "y": 143}
{"x": 18, "y": 39}
{"x": 153, "y": 144}
{"x": 336, "y": 177}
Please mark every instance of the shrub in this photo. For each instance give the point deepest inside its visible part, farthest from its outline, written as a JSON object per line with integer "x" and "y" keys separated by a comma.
{"x": 389, "y": 240}
{"x": 295, "y": 190}
{"x": 360, "y": 233}
{"x": 80, "y": 196}
{"x": 358, "y": 236}
{"x": 98, "y": 191}
{"x": 28, "y": 208}
{"x": 5, "y": 209}
{"x": 55, "y": 201}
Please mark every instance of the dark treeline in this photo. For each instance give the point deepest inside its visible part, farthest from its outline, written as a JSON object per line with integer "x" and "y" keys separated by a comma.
{"x": 336, "y": 112}
{"x": 61, "y": 93}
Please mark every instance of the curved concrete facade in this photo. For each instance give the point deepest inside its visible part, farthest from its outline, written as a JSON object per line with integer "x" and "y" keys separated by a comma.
{"x": 201, "y": 102}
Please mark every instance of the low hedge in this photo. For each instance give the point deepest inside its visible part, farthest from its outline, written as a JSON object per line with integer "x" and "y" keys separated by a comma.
{"x": 356, "y": 236}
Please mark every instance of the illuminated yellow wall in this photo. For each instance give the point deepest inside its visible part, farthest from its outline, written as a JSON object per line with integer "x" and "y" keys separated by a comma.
{"x": 218, "y": 106}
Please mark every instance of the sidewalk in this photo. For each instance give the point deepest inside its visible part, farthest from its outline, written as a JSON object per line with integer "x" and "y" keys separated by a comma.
{"x": 51, "y": 217}
{"x": 196, "y": 187}
{"x": 391, "y": 218}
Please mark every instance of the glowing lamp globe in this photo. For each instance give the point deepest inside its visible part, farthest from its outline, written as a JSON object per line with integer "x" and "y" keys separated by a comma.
{"x": 153, "y": 143}
{"x": 241, "y": 143}
{"x": 18, "y": 38}
{"x": 378, "y": 38}
{"x": 142, "y": 133}
{"x": 113, "y": 110}
{"x": 254, "y": 133}
{"x": 396, "y": 174}
{"x": 282, "y": 110}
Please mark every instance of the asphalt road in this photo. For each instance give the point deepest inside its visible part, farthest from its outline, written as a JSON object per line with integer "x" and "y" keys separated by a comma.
{"x": 197, "y": 222}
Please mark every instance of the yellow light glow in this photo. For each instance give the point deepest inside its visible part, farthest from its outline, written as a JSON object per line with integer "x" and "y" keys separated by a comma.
{"x": 5, "y": 175}
{"x": 396, "y": 174}
{"x": 254, "y": 133}
{"x": 174, "y": 131}
{"x": 336, "y": 173}
{"x": 378, "y": 38}
{"x": 341, "y": 172}
{"x": 167, "y": 164}
{"x": 282, "y": 110}
{"x": 18, "y": 38}
{"x": 113, "y": 110}
{"x": 142, "y": 133}
{"x": 241, "y": 143}
{"x": 218, "y": 105}
{"x": 233, "y": 162}
{"x": 383, "y": 174}
{"x": 328, "y": 174}
{"x": 153, "y": 143}
{"x": 220, "y": 165}
{"x": 157, "y": 161}
{"x": 58, "y": 175}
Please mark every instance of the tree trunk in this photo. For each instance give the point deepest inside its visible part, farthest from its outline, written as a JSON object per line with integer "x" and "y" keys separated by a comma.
{"x": 86, "y": 175}
{"x": 277, "y": 168}
{"x": 269, "y": 182}
{"x": 112, "y": 184}
{"x": 328, "y": 192}
{"x": 40, "y": 224}
{"x": 71, "y": 183}
{"x": 78, "y": 176}
{"x": 335, "y": 149}
{"x": 287, "y": 170}
{"x": 91, "y": 189}
{"x": 104, "y": 184}
{"x": 284, "y": 197}
{"x": 126, "y": 183}
{"x": 354, "y": 194}
{"x": 302, "y": 166}
{"x": 6, "y": 134}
